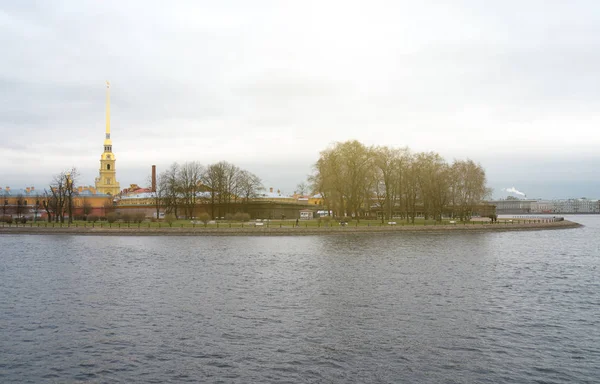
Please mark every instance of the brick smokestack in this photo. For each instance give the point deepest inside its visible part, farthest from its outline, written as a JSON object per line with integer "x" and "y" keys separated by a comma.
{"x": 154, "y": 178}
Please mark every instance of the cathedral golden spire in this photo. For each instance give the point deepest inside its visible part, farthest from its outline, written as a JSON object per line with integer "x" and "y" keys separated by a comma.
{"x": 107, "y": 141}
{"x": 106, "y": 182}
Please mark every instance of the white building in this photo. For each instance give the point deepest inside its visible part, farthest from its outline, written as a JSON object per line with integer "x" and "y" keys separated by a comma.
{"x": 524, "y": 206}
{"x": 582, "y": 205}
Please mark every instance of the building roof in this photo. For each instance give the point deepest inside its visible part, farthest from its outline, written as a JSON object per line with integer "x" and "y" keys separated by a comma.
{"x": 273, "y": 195}
{"x": 87, "y": 192}
{"x": 151, "y": 195}
{"x": 14, "y": 192}
{"x": 140, "y": 195}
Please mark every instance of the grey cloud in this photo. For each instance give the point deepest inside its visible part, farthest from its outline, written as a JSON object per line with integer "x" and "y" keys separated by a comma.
{"x": 263, "y": 80}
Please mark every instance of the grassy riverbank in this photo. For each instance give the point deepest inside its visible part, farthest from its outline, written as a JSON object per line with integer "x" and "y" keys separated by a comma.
{"x": 311, "y": 227}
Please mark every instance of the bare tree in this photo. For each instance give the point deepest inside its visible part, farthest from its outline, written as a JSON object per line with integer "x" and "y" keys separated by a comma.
{"x": 223, "y": 183}
{"x": 230, "y": 183}
{"x": 212, "y": 179}
{"x": 36, "y": 209}
{"x": 58, "y": 200}
{"x": 171, "y": 188}
{"x": 410, "y": 189}
{"x": 328, "y": 181}
{"x": 70, "y": 190}
{"x": 302, "y": 188}
{"x": 109, "y": 207}
{"x": 389, "y": 169}
{"x": 249, "y": 185}
{"x": 189, "y": 181}
{"x": 49, "y": 204}
{"x": 345, "y": 173}
{"x": 5, "y": 205}
{"x": 20, "y": 205}
{"x": 62, "y": 190}
{"x": 468, "y": 187}
{"x": 434, "y": 182}
{"x": 86, "y": 206}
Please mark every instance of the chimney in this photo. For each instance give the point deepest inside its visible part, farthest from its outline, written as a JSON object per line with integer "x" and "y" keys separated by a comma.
{"x": 154, "y": 178}
{"x": 270, "y": 189}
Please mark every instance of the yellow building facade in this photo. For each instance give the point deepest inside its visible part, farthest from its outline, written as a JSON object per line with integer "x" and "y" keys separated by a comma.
{"x": 107, "y": 182}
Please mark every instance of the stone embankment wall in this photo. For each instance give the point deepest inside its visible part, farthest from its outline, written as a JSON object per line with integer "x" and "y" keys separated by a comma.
{"x": 284, "y": 231}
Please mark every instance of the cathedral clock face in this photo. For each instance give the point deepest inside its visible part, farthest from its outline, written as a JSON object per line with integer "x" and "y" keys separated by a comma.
{"x": 108, "y": 157}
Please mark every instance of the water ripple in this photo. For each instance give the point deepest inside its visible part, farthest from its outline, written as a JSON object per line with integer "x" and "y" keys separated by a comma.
{"x": 475, "y": 307}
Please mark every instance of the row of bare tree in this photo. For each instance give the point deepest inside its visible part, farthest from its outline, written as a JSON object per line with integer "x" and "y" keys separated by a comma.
{"x": 353, "y": 179}
{"x": 182, "y": 186}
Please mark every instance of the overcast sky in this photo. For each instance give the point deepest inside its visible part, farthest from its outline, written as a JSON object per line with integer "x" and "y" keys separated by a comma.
{"x": 266, "y": 85}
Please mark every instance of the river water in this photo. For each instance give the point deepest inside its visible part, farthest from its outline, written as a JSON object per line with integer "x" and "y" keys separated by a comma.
{"x": 505, "y": 307}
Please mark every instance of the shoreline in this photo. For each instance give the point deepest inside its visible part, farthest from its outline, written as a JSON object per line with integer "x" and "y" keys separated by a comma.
{"x": 284, "y": 231}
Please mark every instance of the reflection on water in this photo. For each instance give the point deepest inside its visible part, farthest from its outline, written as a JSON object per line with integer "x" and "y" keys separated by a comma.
{"x": 472, "y": 307}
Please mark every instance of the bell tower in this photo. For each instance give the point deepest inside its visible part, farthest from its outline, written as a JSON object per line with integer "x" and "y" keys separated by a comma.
{"x": 107, "y": 182}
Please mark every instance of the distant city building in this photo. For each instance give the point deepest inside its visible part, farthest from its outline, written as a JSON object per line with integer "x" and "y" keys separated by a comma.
{"x": 582, "y": 205}
{"x": 562, "y": 206}
{"x": 512, "y": 205}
